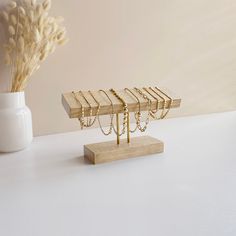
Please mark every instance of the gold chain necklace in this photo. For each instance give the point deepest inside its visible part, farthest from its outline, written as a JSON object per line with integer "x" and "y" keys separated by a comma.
{"x": 137, "y": 115}
{"x": 171, "y": 100}
{"x": 164, "y": 112}
{"x": 89, "y": 122}
{"x": 112, "y": 115}
{"x": 142, "y": 129}
{"x": 81, "y": 119}
{"x": 126, "y": 111}
{"x": 153, "y": 113}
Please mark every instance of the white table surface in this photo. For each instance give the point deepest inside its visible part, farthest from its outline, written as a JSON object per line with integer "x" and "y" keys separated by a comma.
{"x": 190, "y": 189}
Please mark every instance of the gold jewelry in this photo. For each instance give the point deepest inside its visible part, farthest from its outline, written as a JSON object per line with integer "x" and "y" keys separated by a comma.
{"x": 112, "y": 115}
{"x": 81, "y": 119}
{"x": 164, "y": 101}
{"x": 125, "y": 118}
{"x": 142, "y": 129}
{"x": 125, "y": 108}
{"x": 157, "y": 104}
{"x": 89, "y": 122}
{"x": 164, "y": 113}
{"x": 171, "y": 100}
{"x": 117, "y": 128}
{"x": 137, "y": 115}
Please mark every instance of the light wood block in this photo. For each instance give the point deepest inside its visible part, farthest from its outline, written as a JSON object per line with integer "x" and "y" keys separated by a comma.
{"x": 73, "y": 107}
{"x": 110, "y": 151}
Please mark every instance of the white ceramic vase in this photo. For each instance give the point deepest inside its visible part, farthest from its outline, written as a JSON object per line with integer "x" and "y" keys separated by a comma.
{"x": 15, "y": 122}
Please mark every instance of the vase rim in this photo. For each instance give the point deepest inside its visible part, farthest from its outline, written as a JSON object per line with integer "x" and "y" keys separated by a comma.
{"x": 12, "y": 100}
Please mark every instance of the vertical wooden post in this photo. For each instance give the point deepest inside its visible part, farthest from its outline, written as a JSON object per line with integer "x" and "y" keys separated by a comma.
{"x": 117, "y": 129}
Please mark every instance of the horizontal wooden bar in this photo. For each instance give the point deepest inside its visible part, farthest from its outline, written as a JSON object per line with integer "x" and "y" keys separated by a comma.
{"x": 73, "y": 107}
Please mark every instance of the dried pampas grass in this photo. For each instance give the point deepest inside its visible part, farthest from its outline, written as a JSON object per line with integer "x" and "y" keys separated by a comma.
{"x": 32, "y": 36}
{"x": 11, "y": 30}
{"x": 12, "y": 5}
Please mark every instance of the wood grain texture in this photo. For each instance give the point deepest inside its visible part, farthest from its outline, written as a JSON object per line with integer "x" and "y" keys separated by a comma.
{"x": 110, "y": 151}
{"x": 73, "y": 106}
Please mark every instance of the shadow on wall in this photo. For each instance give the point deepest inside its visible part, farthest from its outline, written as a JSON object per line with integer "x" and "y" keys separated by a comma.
{"x": 4, "y": 70}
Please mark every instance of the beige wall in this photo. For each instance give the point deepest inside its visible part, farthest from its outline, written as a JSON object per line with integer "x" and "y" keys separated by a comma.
{"x": 188, "y": 46}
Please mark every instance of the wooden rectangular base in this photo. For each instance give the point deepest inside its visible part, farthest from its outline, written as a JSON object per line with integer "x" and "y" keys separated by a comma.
{"x": 110, "y": 151}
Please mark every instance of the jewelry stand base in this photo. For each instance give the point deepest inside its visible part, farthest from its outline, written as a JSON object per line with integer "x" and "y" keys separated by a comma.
{"x": 110, "y": 151}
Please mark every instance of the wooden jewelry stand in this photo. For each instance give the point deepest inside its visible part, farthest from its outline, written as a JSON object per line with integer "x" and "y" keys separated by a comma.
{"x": 87, "y": 103}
